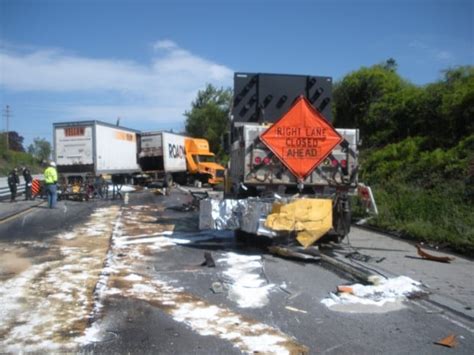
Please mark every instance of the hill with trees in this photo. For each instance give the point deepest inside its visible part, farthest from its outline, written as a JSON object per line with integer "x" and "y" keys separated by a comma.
{"x": 417, "y": 151}
{"x": 13, "y": 155}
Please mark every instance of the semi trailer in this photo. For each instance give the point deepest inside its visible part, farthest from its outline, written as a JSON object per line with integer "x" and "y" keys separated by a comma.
{"x": 85, "y": 150}
{"x": 174, "y": 157}
{"x": 284, "y": 149}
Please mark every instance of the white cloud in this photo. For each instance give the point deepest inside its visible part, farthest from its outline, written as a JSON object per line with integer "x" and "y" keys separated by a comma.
{"x": 444, "y": 56}
{"x": 161, "y": 90}
{"x": 422, "y": 48}
{"x": 164, "y": 44}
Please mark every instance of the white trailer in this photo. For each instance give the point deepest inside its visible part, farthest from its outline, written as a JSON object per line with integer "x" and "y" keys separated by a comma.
{"x": 85, "y": 150}
{"x": 95, "y": 147}
{"x": 162, "y": 155}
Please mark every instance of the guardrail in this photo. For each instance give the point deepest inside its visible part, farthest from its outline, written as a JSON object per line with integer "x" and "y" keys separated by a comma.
{"x": 5, "y": 190}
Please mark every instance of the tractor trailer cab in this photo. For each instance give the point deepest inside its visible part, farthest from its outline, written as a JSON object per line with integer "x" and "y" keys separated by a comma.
{"x": 201, "y": 162}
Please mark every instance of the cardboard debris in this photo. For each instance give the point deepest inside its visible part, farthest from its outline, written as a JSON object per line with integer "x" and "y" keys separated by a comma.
{"x": 311, "y": 218}
{"x": 425, "y": 255}
{"x": 450, "y": 341}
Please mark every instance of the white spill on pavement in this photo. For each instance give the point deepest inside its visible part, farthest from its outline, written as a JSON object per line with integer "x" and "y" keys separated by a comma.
{"x": 47, "y": 306}
{"x": 123, "y": 277}
{"x": 247, "y": 286}
{"x": 387, "y": 295}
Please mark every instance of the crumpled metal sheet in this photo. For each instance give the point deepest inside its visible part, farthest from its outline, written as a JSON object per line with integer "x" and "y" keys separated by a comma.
{"x": 219, "y": 214}
{"x": 248, "y": 215}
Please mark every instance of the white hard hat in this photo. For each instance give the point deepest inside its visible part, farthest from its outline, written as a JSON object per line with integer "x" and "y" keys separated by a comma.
{"x": 52, "y": 163}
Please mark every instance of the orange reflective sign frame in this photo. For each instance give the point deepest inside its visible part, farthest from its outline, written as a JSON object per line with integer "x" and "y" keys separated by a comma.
{"x": 302, "y": 138}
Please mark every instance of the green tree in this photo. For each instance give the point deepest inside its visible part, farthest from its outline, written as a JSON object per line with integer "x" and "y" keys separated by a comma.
{"x": 368, "y": 99}
{"x": 15, "y": 141}
{"x": 40, "y": 149}
{"x": 209, "y": 116}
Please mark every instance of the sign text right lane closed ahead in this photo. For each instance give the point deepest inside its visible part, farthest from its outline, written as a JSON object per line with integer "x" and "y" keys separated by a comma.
{"x": 301, "y": 139}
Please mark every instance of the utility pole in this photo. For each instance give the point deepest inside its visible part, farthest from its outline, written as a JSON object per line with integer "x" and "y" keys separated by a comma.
{"x": 7, "y": 115}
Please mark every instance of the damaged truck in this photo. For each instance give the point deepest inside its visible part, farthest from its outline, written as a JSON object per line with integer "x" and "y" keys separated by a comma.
{"x": 291, "y": 172}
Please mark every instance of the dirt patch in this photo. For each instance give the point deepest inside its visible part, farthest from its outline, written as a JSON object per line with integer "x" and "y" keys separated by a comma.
{"x": 12, "y": 264}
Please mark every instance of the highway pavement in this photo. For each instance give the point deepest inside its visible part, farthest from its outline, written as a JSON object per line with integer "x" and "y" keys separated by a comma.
{"x": 113, "y": 277}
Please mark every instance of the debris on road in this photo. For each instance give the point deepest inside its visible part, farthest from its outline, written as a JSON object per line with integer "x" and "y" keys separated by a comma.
{"x": 48, "y": 303}
{"x": 450, "y": 341}
{"x": 425, "y": 255}
{"x": 125, "y": 276}
{"x": 295, "y": 309}
{"x": 287, "y": 252}
{"x": 246, "y": 286}
{"x": 310, "y": 217}
{"x": 358, "y": 256}
{"x": 217, "y": 287}
{"x": 386, "y": 291}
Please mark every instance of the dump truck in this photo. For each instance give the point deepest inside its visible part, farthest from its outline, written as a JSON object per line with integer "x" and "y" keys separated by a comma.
{"x": 173, "y": 157}
{"x": 283, "y": 148}
{"x": 85, "y": 150}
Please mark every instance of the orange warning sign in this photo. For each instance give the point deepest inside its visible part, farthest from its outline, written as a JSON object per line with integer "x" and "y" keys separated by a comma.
{"x": 302, "y": 138}
{"x": 35, "y": 187}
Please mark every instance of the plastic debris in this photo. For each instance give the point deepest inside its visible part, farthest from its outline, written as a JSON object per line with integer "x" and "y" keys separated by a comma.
{"x": 381, "y": 292}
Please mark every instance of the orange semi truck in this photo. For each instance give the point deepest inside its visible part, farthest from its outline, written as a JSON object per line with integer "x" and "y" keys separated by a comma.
{"x": 201, "y": 162}
{"x": 173, "y": 157}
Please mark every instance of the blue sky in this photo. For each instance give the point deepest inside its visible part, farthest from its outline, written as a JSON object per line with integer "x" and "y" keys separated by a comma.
{"x": 144, "y": 61}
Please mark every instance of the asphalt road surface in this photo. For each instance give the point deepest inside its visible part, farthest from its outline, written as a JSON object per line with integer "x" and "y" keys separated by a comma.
{"x": 105, "y": 276}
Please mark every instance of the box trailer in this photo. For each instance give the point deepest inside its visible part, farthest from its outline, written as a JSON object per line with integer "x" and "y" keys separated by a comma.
{"x": 162, "y": 156}
{"x": 84, "y": 150}
{"x": 95, "y": 147}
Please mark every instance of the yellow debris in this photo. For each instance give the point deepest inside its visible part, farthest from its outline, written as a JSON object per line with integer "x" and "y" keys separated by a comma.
{"x": 311, "y": 218}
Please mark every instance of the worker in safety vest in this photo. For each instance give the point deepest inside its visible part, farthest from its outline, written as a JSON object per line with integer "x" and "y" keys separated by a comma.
{"x": 50, "y": 179}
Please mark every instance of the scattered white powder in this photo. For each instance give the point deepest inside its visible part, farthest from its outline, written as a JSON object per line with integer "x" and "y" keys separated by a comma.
{"x": 387, "y": 291}
{"x": 248, "y": 289}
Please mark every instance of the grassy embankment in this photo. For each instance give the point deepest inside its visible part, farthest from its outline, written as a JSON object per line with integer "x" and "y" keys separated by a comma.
{"x": 11, "y": 159}
{"x": 423, "y": 194}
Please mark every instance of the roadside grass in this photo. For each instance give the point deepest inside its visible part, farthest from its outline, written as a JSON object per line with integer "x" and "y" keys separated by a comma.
{"x": 440, "y": 217}
{"x": 424, "y": 195}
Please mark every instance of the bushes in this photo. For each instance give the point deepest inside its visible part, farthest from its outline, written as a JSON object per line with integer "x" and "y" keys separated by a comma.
{"x": 439, "y": 216}
{"x": 12, "y": 159}
{"x": 422, "y": 194}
